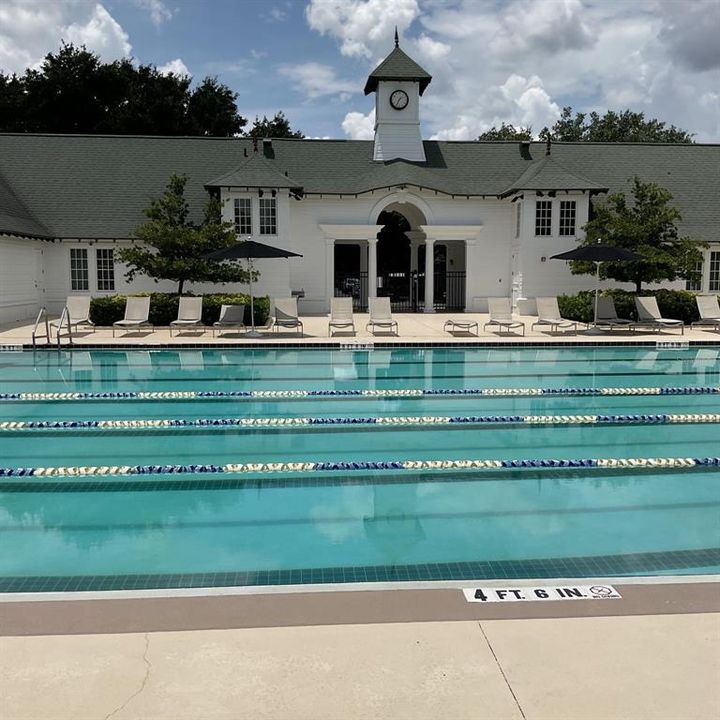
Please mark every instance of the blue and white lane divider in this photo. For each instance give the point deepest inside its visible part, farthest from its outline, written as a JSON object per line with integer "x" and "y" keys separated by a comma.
{"x": 293, "y": 422}
{"x": 359, "y": 466}
{"x": 406, "y": 393}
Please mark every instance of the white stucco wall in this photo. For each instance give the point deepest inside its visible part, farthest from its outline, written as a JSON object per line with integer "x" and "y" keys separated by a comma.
{"x": 21, "y": 278}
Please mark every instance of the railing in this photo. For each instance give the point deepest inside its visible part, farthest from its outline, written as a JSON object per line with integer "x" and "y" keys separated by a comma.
{"x": 64, "y": 318}
{"x": 41, "y": 316}
{"x": 405, "y": 290}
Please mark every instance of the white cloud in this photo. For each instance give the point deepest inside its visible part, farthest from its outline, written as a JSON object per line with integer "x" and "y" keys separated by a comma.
{"x": 317, "y": 80}
{"x": 29, "y": 29}
{"x": 364, "y": 28}
{"x": 176, "y": 67}
{"x": 159, "y": 11}
{"x": 358, "y": 126}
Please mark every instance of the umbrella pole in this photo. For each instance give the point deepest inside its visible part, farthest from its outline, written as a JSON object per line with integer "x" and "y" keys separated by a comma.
{"x": 253, "y": 332}
{"x": 597, "y": 290}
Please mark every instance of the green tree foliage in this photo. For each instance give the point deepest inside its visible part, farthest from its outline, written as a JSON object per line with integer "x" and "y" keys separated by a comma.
{"x": 173, "y": 248}
{"x": 623, "y": 126}
{"x": 646, "y": 225}
{"x": 276, "y": 127}
{"x": 507, "y": 132}
{"x": 73, "y": 91}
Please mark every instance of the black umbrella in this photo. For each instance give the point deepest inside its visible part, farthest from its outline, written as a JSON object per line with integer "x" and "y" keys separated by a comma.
{"x": 597, "y": 253}
{"x": 250, "y": 250}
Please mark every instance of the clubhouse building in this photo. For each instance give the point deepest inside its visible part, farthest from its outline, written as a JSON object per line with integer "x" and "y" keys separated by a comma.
{"x": 434, "y": 225}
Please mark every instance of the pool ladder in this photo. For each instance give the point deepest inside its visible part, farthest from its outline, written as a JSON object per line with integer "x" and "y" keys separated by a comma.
{"x": 42, "y": 320}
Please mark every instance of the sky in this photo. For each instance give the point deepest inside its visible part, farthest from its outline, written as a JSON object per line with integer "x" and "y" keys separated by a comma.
{"x": 492, "y": 61}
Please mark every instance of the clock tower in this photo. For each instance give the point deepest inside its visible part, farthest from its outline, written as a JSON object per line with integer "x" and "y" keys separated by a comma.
{"x": 398, "y": 83}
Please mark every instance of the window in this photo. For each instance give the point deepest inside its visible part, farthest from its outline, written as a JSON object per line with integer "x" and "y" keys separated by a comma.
{"x": 105, "y": 269}
{"x": 243, "y": 216}
{"x": 79, "y": 269}
{"x": 543, "y": 217}
{"x": 518, "y": 215}
{"x": 567, "y": 217}
{"x": 714, "y": 285}
{"x": 695, "y": 285}
{"x": 268, "y": 216}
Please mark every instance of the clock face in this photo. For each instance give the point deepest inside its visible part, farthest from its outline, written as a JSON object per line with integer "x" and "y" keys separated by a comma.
{"x": 399, "y": 99}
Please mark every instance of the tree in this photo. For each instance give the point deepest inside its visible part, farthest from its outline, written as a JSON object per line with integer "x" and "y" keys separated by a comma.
{"x": 73, "y": 91}
{"x": 174, "y": 248}
{"x": 507, "y": 132}
{"x": 645, "y": 225}
{"x": 275, "y": 127}
{"x": 623, "y": 126}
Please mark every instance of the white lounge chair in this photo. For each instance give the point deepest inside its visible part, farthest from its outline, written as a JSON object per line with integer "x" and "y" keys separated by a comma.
{"x": 501, "y": 316}
{"x": 341, "y": 314}
{"x": 381, "y": 315}
{"x": 75, "y": 313}
{"x": 232, "y": 317}
{"x": 285, "y": 314}
{"x": 466, "y": 326}
{"x": 709, "y": 311}
{"x": 189, "y": 313}
{"x": 607, "y": 317}
{"x": 137, "y": 312}
{"x": 649, "y": 315}
{"x": 549, "y": 316}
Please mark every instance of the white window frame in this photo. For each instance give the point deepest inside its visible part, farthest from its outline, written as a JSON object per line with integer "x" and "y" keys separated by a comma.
{"x": 268, "y": 224}
{"x": 714, "y": 271}
{"x": 543, "y": 217}
{"x": 84, "y": 251}
{"x": 568, "y": 210}
{"x": 237, "y": 216}
{"x": 105, "y": 274}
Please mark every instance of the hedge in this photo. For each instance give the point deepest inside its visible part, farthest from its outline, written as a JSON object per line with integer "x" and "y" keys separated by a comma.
{"x": 104, "y": 311}
{"x": 676, "y": 304}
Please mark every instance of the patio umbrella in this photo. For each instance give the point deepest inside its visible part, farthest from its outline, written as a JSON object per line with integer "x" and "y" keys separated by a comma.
{"x": 250, "y": 250}
{"x": 597, "y": 253}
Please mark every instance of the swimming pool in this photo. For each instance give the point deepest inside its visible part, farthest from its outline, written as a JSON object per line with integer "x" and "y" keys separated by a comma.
{"x": 147, "y": 469}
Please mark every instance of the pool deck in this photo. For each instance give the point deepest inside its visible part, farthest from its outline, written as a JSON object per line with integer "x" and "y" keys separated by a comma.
{"x": 420, "y": 653}
{"x": 413, "y": 328}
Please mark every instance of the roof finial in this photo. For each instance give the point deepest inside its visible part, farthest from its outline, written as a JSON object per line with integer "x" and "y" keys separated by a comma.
{"x": 397, "y": 39}
{"x": 547, "y": 145}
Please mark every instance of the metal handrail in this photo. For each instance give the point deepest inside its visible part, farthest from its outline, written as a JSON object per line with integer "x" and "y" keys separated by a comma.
{"x": 64, "y": 317}
{"x": 42, "y": 315}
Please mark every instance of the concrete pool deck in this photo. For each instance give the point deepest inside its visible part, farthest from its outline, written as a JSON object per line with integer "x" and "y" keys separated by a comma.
{"x": 407, "y": 654}
{"x": 413, "y": 328}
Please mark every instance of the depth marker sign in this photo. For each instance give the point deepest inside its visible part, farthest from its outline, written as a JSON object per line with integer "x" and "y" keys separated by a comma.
{"x": 544, "y": 593}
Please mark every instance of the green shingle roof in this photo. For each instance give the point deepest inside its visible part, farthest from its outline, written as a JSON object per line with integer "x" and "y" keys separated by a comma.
{"x": 255, "y": 172}
{"x": 94, "y": 186}
{"x": 549, "y": 174}
{"x": 397, "y": 66}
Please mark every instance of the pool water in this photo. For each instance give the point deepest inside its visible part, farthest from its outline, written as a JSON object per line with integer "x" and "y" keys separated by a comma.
{"x": 354, "y": 501}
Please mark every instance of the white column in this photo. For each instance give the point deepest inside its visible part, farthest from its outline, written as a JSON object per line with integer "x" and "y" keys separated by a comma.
{"x": 470, "y": 245}
{"x": 330, "y": 269}
{"x": 372, "y": 267}
{"x": 429, "y": 275}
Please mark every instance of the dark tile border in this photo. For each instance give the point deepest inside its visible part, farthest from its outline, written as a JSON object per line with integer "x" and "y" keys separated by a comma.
{"x": 635, "y": 564}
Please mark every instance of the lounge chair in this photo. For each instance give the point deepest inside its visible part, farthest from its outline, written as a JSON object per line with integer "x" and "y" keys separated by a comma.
{"x": 189, "y": 313}
{"x": 549, "y": 316}
{"x": 341, "y": 314}
{"x": 78, "y": 313}
{"x": 381, "y": 315}
{"x": 607, "y": 317}
{"x": 501, "y": 316}
{"x": 709, "y": 311}
{"x": 232, "y": 317}
{"x": 285, "y": 314}
{"x": 649, "y": 315}
{"x": 137, "y": 312}
{"x": 466, "y": 326}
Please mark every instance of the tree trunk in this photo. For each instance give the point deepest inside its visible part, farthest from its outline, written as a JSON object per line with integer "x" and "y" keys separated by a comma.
{"x": 638, "y": 285}
{"x": 181, "y": 283}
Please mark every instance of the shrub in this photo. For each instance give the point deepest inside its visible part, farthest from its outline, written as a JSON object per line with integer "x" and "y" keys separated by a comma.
{"x": 104, "y": 311}
{"x": 676, "y": 304}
